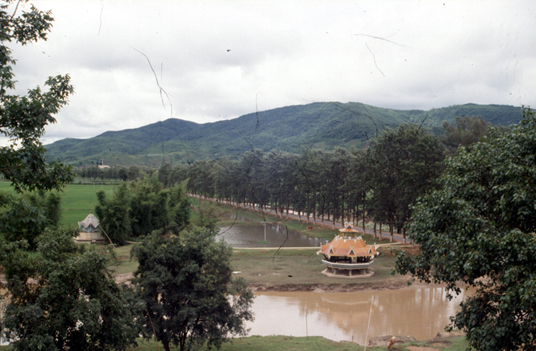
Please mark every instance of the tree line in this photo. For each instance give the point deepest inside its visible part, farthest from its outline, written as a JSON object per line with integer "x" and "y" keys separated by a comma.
{"x": 376, "y": 184}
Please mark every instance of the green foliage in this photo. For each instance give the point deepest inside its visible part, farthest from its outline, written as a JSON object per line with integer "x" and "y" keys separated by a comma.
{"x": 20, "y": 220}
{"x": 479, "y": 228}
{"x": 59, "y": 297}
{"x": 316, "y": 125}
{"x": 114, "y": 216}
{"x": 337, "y": 185}
{"x": 50, "y": 203}
{"x": 63, "y": 297}
{"x": 402, "y": 164}
{"x": 26, "y": 217}
{"x": 22, "y": 121}
{"x": 186, "y": 285}
{"x": 467, "y": 131}
{"x": 23, "y": 118}
{"x": 179, "y": 205}
{"x": 142, "y": 207}
{"x": 164, "y": 174}
{"x": 207, "y": 217}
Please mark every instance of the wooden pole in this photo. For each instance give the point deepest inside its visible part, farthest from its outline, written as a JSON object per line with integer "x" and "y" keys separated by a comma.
{"x": 370, "y": 314}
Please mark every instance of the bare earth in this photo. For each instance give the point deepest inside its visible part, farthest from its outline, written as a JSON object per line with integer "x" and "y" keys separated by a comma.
{"x": 329, "y": 287}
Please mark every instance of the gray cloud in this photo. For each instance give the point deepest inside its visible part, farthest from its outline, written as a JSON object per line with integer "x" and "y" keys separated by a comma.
{"x": 221, "y": 59}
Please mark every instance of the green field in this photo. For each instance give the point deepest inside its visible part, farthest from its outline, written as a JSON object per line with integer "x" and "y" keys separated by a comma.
{"x": 77, "y": 200}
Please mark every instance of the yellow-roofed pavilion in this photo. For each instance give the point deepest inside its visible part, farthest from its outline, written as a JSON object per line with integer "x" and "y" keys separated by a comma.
{"x": 348, "y": 256}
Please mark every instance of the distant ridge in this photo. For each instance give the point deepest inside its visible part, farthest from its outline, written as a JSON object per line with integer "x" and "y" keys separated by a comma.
{"x": 318, "y": 125}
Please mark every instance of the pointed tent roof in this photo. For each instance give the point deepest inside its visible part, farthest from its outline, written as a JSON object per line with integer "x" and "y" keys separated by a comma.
{"x": 90, "y": 220}
{"x": 348, "y": 229}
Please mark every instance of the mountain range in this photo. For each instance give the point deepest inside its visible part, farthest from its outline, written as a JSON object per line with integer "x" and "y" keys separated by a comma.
{"x": 316, "y": 125}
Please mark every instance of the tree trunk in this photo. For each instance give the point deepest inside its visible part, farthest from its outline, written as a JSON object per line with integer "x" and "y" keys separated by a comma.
{"x": 166, "y": 345}
{"x": 381, "y": 231}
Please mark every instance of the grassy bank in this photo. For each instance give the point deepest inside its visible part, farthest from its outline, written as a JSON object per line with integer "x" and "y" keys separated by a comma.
{"x": 301, "y": 267}
{"x": 314, "y": 343}
{"x": 285, "y": 267}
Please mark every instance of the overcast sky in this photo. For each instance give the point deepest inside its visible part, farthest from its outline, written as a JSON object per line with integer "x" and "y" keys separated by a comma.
{"x": 222, "y": 59}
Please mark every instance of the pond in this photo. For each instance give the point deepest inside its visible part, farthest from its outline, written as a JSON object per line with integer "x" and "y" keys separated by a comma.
{"x": 419, "y": 312}
{"x": 251, "y": 233}
{"x": 254, "y": 235}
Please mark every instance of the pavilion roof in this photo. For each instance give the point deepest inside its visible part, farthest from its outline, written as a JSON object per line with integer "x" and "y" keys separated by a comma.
{"x": 89, "y": 220}
{"x": 347, "y": 246}
{"x": 348, "y": 229}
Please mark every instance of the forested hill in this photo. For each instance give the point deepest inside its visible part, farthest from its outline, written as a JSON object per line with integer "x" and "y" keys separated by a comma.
{"x": 316, "y": 125}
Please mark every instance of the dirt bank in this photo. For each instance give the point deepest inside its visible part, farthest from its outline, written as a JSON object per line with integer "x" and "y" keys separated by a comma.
{"x": 442, "y": 340}
{"x": 386, "y": 285}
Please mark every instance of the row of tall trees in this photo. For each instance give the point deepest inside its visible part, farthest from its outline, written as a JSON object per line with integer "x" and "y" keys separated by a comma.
{"x": 116, "y": 172}
{"x": 377, "y": 184}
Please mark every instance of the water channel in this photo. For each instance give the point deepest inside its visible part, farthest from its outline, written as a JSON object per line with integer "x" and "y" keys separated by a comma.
{"x": 252, "y": 234}
{"x": 419, "y": 312}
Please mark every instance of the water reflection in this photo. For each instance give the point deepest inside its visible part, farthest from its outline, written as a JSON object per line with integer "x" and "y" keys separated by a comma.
{"x": 253, "y": 235}
{"x": 419, "y": 312}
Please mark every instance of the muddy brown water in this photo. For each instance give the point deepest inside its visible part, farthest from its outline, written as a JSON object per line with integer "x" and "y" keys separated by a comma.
{"x": 417, "y": 312}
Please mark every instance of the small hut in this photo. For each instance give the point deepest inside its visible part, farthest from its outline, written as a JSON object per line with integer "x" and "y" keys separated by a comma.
{"x": 89, "y": 230}
{"x": 348, "y": 256}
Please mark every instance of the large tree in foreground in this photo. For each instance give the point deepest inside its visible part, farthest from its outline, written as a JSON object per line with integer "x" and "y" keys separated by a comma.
{"x": 58, "y": 297}
{"x": 480, "y": 229}
{"x": 189, "y": 294}
{"x": 23, "y": 118}
{"x": 62, "y": 297}
{"x": 403, "y": 164}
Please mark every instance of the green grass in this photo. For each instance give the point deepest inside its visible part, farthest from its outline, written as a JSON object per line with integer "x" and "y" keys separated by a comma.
{"x": 125, "y": 264}
{"x": 312, "y": 343}
{"x": 271, "y": 343}
{"x": 6, "y": 186}
{"x": 302, "y": 267}
{"x": 77, "y": 200}
{"x": 282, "y": 267}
